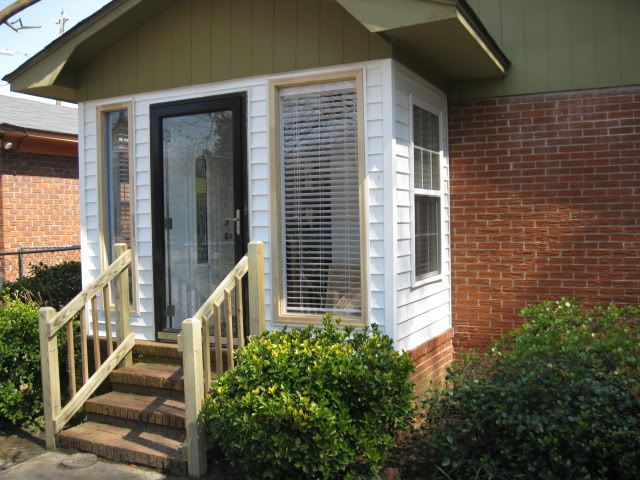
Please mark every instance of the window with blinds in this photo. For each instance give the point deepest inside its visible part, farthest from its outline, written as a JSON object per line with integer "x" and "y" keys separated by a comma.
{"x": 427, "y": 193}
{"x": 320, "y": 199}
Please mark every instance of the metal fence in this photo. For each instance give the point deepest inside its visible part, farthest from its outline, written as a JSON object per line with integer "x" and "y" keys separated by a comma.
{"x": 18, "y": 263}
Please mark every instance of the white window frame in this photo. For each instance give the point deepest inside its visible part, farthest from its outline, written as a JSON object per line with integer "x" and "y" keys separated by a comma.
{"x": 280, "y": 315}
{"x": 415, "y": 281}
{"x": 103, "y": 220}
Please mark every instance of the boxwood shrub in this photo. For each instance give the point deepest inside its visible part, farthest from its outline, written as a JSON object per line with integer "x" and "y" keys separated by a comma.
{"x": 557, "y": 399}
{"x": 311, "y": 403}
{"x": 20, "y": 389}
{"x": 20, "y": 379}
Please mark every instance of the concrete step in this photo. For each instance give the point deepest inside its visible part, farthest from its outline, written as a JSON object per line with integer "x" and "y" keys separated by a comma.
{"x": 125, "y": 445}
{"x": 146, "y": 409}
{"x": 157, "y": 376}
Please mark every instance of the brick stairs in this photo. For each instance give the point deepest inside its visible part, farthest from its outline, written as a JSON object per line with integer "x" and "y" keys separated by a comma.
{"x": 142, "y": 419}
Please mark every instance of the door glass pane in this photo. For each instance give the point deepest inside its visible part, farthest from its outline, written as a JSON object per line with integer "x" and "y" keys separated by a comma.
{"x": 199, "y": 200}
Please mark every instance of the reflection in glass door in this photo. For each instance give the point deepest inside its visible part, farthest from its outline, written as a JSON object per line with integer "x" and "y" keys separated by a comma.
{"x": 201, "y": 208}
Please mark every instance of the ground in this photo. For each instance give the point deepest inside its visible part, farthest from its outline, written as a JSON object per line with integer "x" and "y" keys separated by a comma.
{"x": 23, "y": 457}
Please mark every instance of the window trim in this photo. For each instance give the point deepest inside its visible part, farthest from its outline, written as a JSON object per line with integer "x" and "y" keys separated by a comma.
{"x": 415, "y": 280}
{"x": 280, "y": 316}
{"x": 103, "y": 219}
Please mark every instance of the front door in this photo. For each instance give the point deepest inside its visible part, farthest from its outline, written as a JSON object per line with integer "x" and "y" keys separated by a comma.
{"x": 197, "y": 202}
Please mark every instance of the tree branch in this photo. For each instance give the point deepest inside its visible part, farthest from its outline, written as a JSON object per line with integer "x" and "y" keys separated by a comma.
{"x": 10, "y": 10}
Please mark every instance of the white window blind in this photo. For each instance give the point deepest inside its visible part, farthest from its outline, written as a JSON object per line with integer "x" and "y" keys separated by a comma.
{"x": 320, "y": 198}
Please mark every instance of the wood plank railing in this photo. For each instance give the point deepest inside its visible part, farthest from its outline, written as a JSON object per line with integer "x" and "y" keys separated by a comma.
{"x": 51, "y": 322}
{"x": 195, "y": 343}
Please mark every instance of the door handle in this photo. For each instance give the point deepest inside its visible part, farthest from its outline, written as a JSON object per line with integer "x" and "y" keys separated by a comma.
{"x": 235, "y": 219}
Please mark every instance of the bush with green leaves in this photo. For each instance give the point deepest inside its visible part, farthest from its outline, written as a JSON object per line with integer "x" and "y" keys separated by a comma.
{"x": 20, "y": 389}
{"x": 315, "y": 403}
{"x": 557, "y": 399}
{"x": 50, "y": 285}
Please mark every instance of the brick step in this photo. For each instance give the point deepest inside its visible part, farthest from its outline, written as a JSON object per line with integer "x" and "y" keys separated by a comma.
{"x": 158, "y": 352}
{"x": 166, "y": 353}
{"x": 125, "y": 445}
{"x": 146, "y": 409}
{"x": 157, "y": 376}
{"x": 169, "y": 432}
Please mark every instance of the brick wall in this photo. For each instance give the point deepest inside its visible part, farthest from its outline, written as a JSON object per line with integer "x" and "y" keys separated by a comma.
{"x": 431, "y": 360}
{"x": 545, "y": 203}
{"x": 39, "y": 206}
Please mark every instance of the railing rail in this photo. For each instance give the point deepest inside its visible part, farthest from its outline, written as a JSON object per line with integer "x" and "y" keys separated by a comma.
{"x": 51, "y": 322}
{"x": 195, "y": 343}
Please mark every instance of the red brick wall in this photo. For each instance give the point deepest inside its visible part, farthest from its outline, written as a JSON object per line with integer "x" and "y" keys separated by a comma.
{"x": 431, "y": 360}
{"x": 545, "y": 203}
{"x": 39, "y": 206}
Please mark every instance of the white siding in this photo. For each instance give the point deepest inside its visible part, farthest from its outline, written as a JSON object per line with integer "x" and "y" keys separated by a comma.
{"x": 377, "y": 134}
{"x": 423, "y": 309}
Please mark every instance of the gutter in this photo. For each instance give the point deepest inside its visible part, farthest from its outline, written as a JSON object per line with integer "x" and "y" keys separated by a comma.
{"x": 26, "y": 140}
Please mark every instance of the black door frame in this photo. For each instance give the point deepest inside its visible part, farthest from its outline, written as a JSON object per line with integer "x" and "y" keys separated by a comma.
{"x": 236, "y": 102}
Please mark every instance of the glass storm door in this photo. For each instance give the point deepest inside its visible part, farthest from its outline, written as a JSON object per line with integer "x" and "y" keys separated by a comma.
{"x": 197, "y": 201}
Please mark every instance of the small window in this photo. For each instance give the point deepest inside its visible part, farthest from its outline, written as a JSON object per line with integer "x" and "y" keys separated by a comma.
{"x": 119, "y": 214}
{"x": 320, "y": 199}
{"x": 427, "y": 193}
{"x": 118, "y": 217}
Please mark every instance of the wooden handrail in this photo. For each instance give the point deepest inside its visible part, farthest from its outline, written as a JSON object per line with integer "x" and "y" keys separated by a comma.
{"x": 217, "y": 297}
{"x": 51, "y": 322}
{"x": 196, "y": 347}
{"x": 79, "y": 301}
{"x": 99, "y": 376}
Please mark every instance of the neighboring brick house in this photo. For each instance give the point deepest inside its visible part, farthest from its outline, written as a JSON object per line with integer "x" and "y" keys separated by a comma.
{"x": 39, "y": 197}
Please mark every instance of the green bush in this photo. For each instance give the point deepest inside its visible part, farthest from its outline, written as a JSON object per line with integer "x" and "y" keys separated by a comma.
{"x": 312, "y": 403}
{"x": 557, "y": 399}
{"x": 20, "y": 389}
{"x": 50, "y": 285}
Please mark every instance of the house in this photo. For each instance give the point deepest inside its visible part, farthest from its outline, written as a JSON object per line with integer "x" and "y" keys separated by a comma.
{"x": 38, "y": 169}
{"x": 428, "y": 166}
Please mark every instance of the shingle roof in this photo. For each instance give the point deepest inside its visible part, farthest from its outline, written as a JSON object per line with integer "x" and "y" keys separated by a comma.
{"x": 35, "y": 115}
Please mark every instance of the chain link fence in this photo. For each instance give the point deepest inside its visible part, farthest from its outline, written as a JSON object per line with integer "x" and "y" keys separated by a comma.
{"x": 17, "y": 263}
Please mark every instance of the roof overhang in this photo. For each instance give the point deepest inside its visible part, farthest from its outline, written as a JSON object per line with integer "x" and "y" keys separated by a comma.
{"x": 51, "y": 72}
{"x": 27, "y": 140}
{"x": 441, "y": 38}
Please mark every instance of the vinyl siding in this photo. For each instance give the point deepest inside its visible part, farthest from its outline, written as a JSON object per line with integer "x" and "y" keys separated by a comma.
{"x": 423, "y": 310}
{"x": 557, "y": 45}
{"x": 258, "y": 170}
{"x": 198, "y": 41}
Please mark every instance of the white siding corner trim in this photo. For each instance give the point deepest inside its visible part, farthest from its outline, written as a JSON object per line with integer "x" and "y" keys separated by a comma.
{"x": 423, "y": 309}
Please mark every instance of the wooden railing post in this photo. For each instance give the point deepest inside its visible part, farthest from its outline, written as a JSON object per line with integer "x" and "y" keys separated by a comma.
{"x": 191, "y": 338}
{"x": 256, "y": 288}
{"x": 122, "y": 305}
{"x": 50, "y": 375}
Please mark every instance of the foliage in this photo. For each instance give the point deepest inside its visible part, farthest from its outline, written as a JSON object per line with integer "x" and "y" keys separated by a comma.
{"x": 558, "y": 398}
{"x": 312, "y": 403}
{"x": 50, "y": 285}
{"x": 20, "y": 390}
